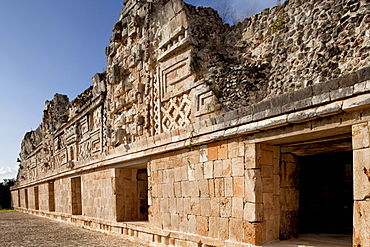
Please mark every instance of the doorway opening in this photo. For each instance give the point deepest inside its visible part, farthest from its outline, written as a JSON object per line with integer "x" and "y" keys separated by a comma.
{"x": 326, "y": 193}
{"x": 132, "y": 193}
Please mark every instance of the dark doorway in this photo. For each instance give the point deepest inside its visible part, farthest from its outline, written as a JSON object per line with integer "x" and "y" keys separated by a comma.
{"x": 142, "y": 187}
{"x": 326, "y": 193}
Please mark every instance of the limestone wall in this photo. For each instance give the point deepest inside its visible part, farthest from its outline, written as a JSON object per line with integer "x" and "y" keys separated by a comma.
{"x": 97, "y": 195}
{"x": 63, "y": 195}
{"x": 43, "y": 196}
{"x": 184, "y": 130}
{"x": 176, "y": 71}
{"x": 290, "y": 47}
{"x": 361, "y": 154}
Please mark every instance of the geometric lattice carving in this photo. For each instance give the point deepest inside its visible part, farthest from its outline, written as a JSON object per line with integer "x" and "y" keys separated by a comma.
{"x": 154, "y": 109}
{"x": 84, "y": 150}
{"x": 176, "y": 112}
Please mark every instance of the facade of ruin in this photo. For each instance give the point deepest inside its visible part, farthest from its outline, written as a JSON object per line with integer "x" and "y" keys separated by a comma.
{"x": 202, "y": 134}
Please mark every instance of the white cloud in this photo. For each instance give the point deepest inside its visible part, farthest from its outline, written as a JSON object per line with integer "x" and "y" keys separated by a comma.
{"x": 7, "y": 173}
{"x": 238, "y": 10}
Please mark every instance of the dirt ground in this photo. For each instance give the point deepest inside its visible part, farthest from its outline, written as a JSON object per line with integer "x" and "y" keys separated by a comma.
{"x": 18, "y": 229}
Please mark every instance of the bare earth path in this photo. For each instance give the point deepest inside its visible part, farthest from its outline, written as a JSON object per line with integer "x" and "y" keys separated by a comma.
{"x": 18, "y": 229}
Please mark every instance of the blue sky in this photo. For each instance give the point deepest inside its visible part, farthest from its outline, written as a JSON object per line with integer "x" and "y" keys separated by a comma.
{"x": 48, "y": 47}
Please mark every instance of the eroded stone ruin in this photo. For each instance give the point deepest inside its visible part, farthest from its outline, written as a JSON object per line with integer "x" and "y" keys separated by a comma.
{"x": 202, "y": 134}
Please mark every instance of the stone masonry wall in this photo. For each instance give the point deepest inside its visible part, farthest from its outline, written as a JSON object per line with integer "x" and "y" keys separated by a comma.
{"x": 225, "y": 190}
{"x": 290, "y": 47}
{"x": 63, "y": 195}
{"x": 43, "y": 196}
{"x": 186, "y": 108}
{"x": 97, "y": 194}
{"x": 361, "y": 174}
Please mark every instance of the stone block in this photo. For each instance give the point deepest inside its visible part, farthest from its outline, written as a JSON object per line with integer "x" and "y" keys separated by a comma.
{"x": 251, "y": 156}
{"x": 268, "y": 203}
{"x": 226, "y": 168}
{"x": 213, "y": 227}
{"x": 233, "y": 148}
{"x": 273, "y": 122}
{"x": 361, "y": 87}
{"x": 204, "y": 188}
{"x": 187, "y": 205}
{"x": 215, "y": 207}
{"x": 198, "y": 171}
{"x": 229, "y": 188}
{"x": 247, "y": 128}
{"x": 271, "y": 228}
{"x": 208, "y": 169}
{"x": 184, "y": 172}
{"x": 194, "y": 188}
{"x": 356, "y": 102}
{"x": 191, "y": 172}
{"x": 253, "y": 212}
{"x": 172, "y": 205}
{"x": 267, "y": 185}
{"x": 302, "y": 116}
{"x": 231, "y": 115}
{"x": 360, "y": 136}
{"x": 203, "y": 153}
{"x": 329, "y": 109}
{"x": 289, "y": 199}
{"x": 321, "y": 98}
{"x": 304, "y": 103}
{"x": 211, "y": 186}
{"x": 253, "y": 233}
{"x": 180, "y": 205}
{"x": 205, "y": 206}
{"x": 253, "y": 185}
{"x": 348, "y": 80}
{"x": 223, "y": 150}
{"x": 363, "y": 74}
{"x": 266, "y": 157}
{"x": 223, "y": 224}
{"x": 166, "y": 220}
{"x": 238, "y": 186}
{"x": 235, "y": 230}
{"x": 218, "y": 168}
{"x": 219, "y": 187}
{"x": 267, "y": 171}
{"x": 341, "y": 93}
{"x": 192, "y": 224}
{"x": 174, "y": 222}
{"x": 225, "y": 207}
{"x": 185, "y": 190}
{"x": 213, "y": 151}
{"x": 361, "y": 223}
{"x": 202, "y": 225}
{"x": 195, "y": 206}
{"x": 237, "y": 209}
{"x": 261, "y": 106}
{"x": 237, "y": 166}
{"x": 361, "y": 173}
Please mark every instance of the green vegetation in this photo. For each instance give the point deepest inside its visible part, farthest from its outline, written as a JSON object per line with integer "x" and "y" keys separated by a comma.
{"x": 195, "y": 64}
{"x": 279, "y": 21}
{"x": 216, "y": 89}
{"x": 7, "y": 210}
{"x": 5, "y": 198}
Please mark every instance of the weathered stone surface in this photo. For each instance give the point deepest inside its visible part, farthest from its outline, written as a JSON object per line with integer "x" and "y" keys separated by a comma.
{"x": 361, "y": 235}
{"x": 186, "y": 126}
{"x": 361, "y": 173}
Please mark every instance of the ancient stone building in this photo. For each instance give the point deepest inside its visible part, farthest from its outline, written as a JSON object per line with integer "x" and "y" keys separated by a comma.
{"x": 202, "y": 134}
